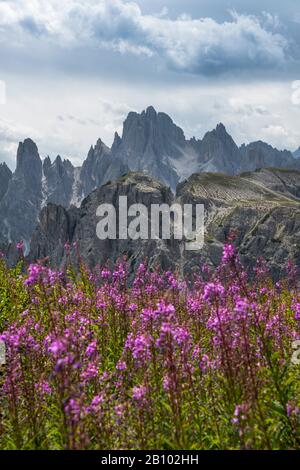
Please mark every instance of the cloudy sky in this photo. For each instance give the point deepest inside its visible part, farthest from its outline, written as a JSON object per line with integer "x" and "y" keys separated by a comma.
{"x": 70, "y": 71}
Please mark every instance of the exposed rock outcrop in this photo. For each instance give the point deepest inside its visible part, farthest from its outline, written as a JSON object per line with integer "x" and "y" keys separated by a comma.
{"x": 58, "y": 226}
{"x": 265, "y": 219}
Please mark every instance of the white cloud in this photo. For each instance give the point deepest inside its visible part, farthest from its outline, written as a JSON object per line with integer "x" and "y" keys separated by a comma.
{"x": 113, "y": 115}
{"x": 245, "y": 108}
{"x": 10, "y": 135}
{"x": 275, "y": 131}
{"x": 296, "y": 93}
{"x": 2, "y": 92}
{"x": 201, "y": 45}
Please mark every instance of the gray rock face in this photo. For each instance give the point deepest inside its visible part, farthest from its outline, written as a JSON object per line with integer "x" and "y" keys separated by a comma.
{"x": 264, "y": 217}
{"x": 99, "y": 167}
{"x": 58, "y": 181}
{"x": 5, "y": 177}
{"x": 219, "y": 153}
{"x": 260, "y": 208}
{"x": 152, "y": 143}
{"x": 149, "y": 141}
{"x": 261, "y": 155}
{"x": 20, "y": 206}
{"x": 79, "y": 225}
{"x": 56, "y": 227}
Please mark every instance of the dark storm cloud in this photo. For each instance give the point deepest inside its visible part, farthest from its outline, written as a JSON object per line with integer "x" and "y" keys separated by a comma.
{"x": 194, "y": 44}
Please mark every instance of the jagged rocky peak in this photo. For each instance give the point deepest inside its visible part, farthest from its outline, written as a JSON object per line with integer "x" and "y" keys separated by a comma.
{"x": 46, "y": 164}
{"x": 63, "y": 166}
{"x": 221, "y": 132}
{"x": 221, "y": 129}
{"x": 152, "y": 129}
{"x": 101, "y": 147}
{"x": 95, "y": 154}
{"x": 116, "y": 143}
{"x": 97, "y": 168}
{"x": 29, "y": 163}
{"x": 58, "y": 160}
{"x": 149, "y": 140}
{"x": 58, "y": 181}
{"x": 5, "y": 177}
{"x": 5, "y": 169}
{"x": 96, "y": 151}
{"x": 59, "y": 167}
{"x": 150, "y": 112}
{"x": 219, "y": 152}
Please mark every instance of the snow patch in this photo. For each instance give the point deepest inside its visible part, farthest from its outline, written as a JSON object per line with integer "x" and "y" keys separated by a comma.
{"x": 44, "y": 191}
{"x": 186, "y": 164}
{"x": 76, "y": 198}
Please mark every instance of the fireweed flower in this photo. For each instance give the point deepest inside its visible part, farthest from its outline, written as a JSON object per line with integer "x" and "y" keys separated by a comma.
{"x": 229, "y": 253}
{"x": 111, "y": 355}
{"x": 91, "y": 349}
{"x": 296, "y": 310}
{"x": 140, "y": 347}
{"x": 97, "y": 401}
{"x": 213, "y": 290}
{"x": 121, "y": 365}
{"x": 292, "y": 410}
{"x": 165, "y": 309}
{"x": 91, "y": 372}
{"x": 240, "y": 413}
{"x": 167, "y": 383}
{"x": 205, "y": 363}
{"x": 35, "y": 272}
{"x": 20, "y": 246}
{"x": 57, "y": 347}
{"x": 105, "y": 274}
{"x": 242, "y": 308}
{"x": 43, "y": 388}
{"x": 139, "y": 392}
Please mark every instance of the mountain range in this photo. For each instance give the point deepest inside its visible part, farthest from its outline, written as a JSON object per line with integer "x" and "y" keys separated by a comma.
{"x": 151, "y": 143}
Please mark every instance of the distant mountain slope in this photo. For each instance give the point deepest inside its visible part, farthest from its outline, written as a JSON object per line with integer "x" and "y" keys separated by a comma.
{"x": 261, "y": 155}
{"x": 150, "y": 143}
{"x": 297, "y": 153}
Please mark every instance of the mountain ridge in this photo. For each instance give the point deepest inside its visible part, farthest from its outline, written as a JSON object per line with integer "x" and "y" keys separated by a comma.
{"x": 150, "y": 142}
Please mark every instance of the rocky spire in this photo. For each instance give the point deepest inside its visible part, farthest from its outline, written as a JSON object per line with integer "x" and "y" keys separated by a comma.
{"x": 219, "y": 152}
{"x": 116, "y": 143}
{"x": 29, "y": 164}
{"x": 5, "y": 176}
